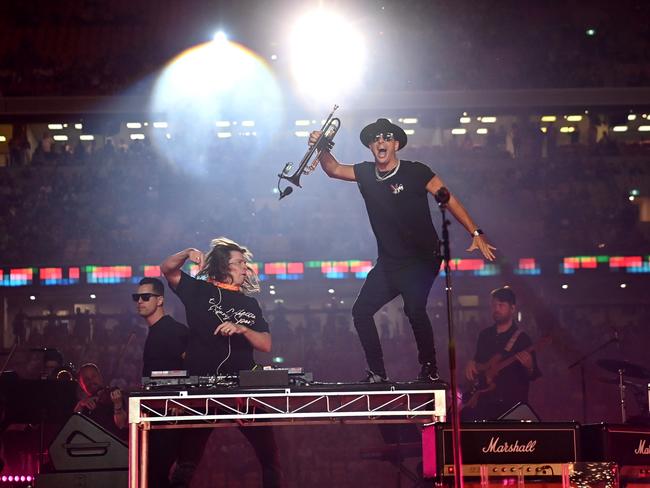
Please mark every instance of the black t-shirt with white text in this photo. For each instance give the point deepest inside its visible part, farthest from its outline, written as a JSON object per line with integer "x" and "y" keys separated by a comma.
{"x": 398, "y": 209}
{"x": 207, "y": 306}
{"x": 164, "y": 347}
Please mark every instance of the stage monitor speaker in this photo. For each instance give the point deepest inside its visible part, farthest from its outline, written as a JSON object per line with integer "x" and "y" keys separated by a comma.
{"x": 83, "y": 445}
{"x": 520, "y": 412}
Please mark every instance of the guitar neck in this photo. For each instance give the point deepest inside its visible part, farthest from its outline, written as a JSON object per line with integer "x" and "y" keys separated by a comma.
{"x": 507, "y": 362}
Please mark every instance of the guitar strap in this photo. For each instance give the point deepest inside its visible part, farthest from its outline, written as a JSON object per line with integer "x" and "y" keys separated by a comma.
{"x": 512, "y": 340}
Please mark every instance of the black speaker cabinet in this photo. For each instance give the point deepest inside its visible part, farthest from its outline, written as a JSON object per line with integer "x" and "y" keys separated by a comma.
{"x": 626, "y": 445}
{"x": 500, "y": 443}
{"x": 82, "y": 445}
{"x": 520, "y": 412}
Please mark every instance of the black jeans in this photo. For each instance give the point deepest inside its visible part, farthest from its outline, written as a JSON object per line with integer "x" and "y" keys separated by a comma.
{"x": 414, "y": 283}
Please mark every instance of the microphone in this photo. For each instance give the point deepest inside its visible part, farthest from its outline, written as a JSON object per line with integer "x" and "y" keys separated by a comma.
{"x": 285, "y": 172}
{"x": 442, "y": 196}
{"x": 286, "y": 192}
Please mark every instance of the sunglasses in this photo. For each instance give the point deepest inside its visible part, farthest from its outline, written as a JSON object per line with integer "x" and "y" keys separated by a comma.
{"x": 145, "y": 296}
{"x": 388, "y": 136}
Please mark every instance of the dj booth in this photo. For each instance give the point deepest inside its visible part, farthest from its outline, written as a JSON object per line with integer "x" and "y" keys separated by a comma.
{"x": 213, "y": 407}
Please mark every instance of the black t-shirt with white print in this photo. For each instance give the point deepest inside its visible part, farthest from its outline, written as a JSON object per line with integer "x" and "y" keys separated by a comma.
{"x": 206, "y": 307}
{"x": 398, "y": 208}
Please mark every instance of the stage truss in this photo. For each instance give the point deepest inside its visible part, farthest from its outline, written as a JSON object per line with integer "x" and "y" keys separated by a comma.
{"x": 233, "y": 408}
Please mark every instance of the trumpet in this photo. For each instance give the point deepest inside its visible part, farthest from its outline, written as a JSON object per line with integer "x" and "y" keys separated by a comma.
{"x": 310, "y": 160}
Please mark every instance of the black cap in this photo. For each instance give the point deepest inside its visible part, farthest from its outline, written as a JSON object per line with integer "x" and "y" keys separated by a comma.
{"x": 505, "y": 294}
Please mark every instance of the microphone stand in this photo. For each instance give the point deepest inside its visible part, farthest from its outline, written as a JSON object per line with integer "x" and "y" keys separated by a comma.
{"x": 12, "y": 351}
{"x": 442, "y": 197}
{"x": 581, "y": 362}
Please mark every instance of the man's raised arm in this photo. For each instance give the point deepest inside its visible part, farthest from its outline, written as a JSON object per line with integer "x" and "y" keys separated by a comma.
{"x": 330, "y": 165}
{"x": 171, "y": 267}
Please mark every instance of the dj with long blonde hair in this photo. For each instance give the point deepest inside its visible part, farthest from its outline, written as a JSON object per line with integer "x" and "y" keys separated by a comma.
{"x": 226, "y": 327}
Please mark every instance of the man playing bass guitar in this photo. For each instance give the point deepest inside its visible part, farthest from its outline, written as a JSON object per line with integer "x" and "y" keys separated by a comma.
{"x": 503, "y": 366}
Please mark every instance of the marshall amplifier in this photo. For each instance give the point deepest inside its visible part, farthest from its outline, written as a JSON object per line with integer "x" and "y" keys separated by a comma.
{"x": 531, "y": 449}
{"x": 625, "y": 445}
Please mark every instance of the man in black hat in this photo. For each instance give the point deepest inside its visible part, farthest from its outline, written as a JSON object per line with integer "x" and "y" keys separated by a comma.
{"x": 395, "y": 193}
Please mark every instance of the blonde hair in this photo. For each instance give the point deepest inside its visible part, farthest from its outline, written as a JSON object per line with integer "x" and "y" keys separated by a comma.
{"x": 217, "y": 259}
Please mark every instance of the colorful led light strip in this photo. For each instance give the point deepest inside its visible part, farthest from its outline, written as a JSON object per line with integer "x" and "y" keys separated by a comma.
{"x": 55, "y": 276}
{"x": 289, "y": 276}
{"x": 630, "y": 264}
{"x": 18, "y": 277}
{"x": 286, "y": 270}
{"x": 528, "y": 266}
{"x": 151, "y": 271}
{"x": 108, "y": 274}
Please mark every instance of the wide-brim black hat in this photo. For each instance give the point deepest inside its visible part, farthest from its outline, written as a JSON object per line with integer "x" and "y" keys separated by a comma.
{"x": 382, "y": 126}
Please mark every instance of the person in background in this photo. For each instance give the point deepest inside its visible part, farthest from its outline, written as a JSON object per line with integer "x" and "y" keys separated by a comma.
{"x": 226, "y": 327}
{"x": 164, "y": 349}
{"x": 503, "y": 341}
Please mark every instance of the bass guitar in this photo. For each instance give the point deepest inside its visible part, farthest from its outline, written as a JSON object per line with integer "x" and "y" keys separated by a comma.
{"x": 489, "y": 370}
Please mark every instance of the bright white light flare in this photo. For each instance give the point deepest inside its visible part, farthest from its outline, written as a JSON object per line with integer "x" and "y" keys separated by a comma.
{"x": 328, "y": 55}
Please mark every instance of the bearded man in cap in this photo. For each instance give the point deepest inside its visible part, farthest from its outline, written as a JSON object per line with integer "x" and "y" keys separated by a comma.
{"x": 504, "y": 363}
{"x": 396, "y": 197}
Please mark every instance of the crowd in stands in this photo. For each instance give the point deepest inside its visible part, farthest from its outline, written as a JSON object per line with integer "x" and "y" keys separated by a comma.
{"x": 491, "y": 45}
{"x": 108, "y": 48}
{"x": 125, "y": 203}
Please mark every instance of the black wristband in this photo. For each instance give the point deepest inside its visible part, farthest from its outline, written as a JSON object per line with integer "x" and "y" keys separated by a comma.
{"x": 477, "y": 232}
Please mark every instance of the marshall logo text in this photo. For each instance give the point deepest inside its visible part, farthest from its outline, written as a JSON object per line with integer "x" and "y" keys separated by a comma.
{"x": 642, "y": 449}
{"x": 495, "y": 446}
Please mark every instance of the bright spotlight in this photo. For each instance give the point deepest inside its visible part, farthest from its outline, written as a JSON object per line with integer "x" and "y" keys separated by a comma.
{"x": 328, "y": 55}
{"x": 212, "y": 83}
{"x": 220, "y": 37}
